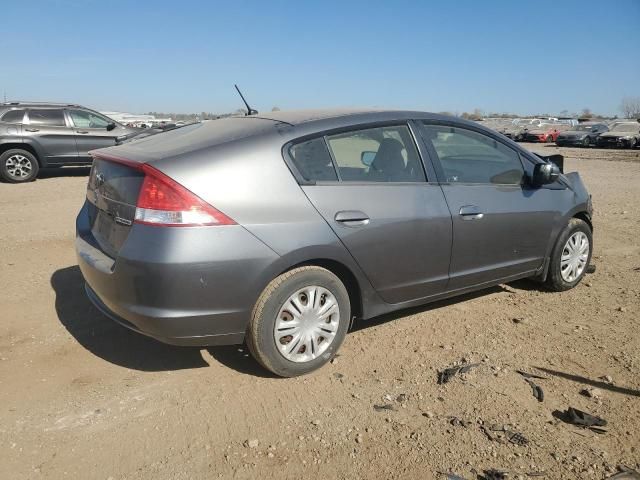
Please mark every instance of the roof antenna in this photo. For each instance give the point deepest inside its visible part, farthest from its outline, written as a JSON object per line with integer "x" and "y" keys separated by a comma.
{"x": 250, "y": 111}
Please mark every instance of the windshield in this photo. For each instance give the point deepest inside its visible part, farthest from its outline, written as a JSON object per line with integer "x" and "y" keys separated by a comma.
{"x": 626, "y": 127}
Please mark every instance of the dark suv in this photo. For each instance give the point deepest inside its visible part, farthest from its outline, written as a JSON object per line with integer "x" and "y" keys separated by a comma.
{"x": 38, "y": 135}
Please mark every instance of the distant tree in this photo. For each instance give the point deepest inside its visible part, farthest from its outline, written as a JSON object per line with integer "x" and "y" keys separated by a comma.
{"x": 447, "y": 113}
{"x": 564, "y": 113}
{"x": 586, "y": 113}
{"x": 476, "y": 115}
{"x": 275, "y": 109}
{"x": 630, "y": 107}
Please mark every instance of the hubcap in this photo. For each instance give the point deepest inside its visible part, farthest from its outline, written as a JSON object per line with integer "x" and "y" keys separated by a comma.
{"x": 18, "y": 166}
{"x": 306, "y": 324}
{"x": 575, "y": 255}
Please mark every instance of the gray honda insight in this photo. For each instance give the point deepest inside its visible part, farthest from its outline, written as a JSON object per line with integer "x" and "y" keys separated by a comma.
{"x": 279, "y": 229}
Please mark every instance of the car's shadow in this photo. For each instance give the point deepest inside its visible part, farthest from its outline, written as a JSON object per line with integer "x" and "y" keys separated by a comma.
{"x": 80, "y": 171}
{"x": 120, "y": 346}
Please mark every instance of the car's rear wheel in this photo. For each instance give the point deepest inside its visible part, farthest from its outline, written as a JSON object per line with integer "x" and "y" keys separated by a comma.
{"x": 18, "y": 166}
{"x": 571, "y": 256}
{"x": 586, "y": 142}
{"x": 299, "y": 321}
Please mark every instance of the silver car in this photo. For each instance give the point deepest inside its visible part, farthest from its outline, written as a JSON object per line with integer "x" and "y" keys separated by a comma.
{"x": 279, "y": 230}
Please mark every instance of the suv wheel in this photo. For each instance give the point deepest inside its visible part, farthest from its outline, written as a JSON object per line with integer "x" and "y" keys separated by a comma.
{"x": 299, "y": 321}
{"x": 18, "y": 166}
{"x": 571, "y": 256}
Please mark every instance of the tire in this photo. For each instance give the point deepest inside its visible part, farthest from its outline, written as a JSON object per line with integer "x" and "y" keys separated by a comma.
{"x": 18, "y": 166}
{"x": 586, "y": 142}
{"x": 274, "y": 308}
{"x": 549, "y": 139}
{"x": 556, "y": 279}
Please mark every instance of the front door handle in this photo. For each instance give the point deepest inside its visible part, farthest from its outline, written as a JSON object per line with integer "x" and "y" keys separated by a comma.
{"x": 32, "y": 129}
{"x": 471, "y": 212}
{"x": 352, "y": 218}
{"x": 82, "y": 131}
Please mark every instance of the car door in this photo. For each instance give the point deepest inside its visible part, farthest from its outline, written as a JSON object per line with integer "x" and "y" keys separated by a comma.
{"x": 48, "y": 130}
{"x": 92, "y": 131}
{"x": 501, "y": 226}
{"x": 370, "y": 186}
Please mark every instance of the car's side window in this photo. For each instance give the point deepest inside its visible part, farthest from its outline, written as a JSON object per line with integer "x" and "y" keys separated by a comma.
{"x": 84, "y": 119}
{"x": 13, "y": 116}
{"x": 381, "y": 154}
{"x": 313, "y": 161}
{"x": 467, "y": 156}
{"x": 47, "y": 117}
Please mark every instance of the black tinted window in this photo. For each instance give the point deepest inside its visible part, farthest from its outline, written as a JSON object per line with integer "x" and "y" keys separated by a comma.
{"x": 313, "y": 161}
{"x": 382, "y": 154}
{"x": 54, "y": 118}
{"x": 13, "y": 116}
{"x": 471, "y": 157}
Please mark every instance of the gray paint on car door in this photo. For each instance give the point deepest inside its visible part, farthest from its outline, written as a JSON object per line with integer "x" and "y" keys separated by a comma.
{"x": 403, "y": 240}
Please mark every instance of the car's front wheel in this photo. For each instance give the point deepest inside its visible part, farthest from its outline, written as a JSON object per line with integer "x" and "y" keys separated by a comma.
{"x": 586, "y": 142}
{"x": 18, "y": 166}
{"x": 571, "y": 256}
{"x": 299, "y": 321}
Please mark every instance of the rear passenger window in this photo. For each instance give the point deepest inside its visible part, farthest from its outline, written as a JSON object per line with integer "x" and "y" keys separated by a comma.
{"x": 13, "y": 116}
{"x": 50, "y": 117}
{"x": 471, "y": 157}
{"x": 313, "y": 161}
{"x": 382, "y": 154}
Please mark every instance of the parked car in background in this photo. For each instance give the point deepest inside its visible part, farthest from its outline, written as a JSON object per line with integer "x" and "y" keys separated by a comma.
{"x": 39, "y": 135}
{"x": 280, "y": 229}
{"x": 621, "y": 135}
{"x": 582, "y": 135}
{"x": 519, "y": 127}
{"x": 545, "y": 133}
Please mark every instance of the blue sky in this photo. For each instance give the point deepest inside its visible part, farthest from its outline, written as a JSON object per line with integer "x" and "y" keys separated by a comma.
{"x": 185, "y": 56}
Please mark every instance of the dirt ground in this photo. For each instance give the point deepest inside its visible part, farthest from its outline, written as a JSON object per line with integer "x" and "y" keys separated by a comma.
{"x": 83, "y": 398}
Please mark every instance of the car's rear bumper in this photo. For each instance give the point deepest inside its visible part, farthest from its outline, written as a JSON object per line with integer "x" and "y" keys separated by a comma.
{"x": 183, "y": 286}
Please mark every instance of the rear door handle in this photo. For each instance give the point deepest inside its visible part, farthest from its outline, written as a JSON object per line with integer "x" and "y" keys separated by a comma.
{"x": 352, "y": 218}
{"x": 82, "y": 131}
{"x": 471, "y": 212}
{"x": 32, "y": 129}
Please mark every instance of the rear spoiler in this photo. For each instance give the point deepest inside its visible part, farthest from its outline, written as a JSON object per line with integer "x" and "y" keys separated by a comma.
{"x": 557, "y": 159}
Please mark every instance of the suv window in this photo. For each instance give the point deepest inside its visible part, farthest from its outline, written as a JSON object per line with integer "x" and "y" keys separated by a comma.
{"x": 313, "y": 161}
{"x": 50, "y": 117}
{"x": 467, "y": 156}
{"x": 13, "y": 116}
{"x": 381, "y": 154}
{"x": 84, "y": 119}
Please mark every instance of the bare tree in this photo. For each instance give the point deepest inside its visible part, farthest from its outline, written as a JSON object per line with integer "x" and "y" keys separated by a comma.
{"x": 586, "y": 113}
{"x": 630, "y": 107}
{"x": 275, "y": 109}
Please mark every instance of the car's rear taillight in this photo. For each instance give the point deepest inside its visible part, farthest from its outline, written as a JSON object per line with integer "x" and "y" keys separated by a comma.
{"x": 164, "y": 202}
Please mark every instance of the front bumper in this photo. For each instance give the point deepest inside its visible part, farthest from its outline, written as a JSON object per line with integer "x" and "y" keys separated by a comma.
{"x": 564, "y": 142}
{"x": 182, "y": 286}
{"x": 613, "y": 142}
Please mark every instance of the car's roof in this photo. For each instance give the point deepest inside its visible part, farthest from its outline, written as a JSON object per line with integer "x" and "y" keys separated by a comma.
{"x": 296, "y": 117}
{"x": 281, "y": 126}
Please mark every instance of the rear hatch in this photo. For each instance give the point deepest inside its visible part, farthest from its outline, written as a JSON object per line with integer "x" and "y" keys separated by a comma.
{"x": 112, "y": 194}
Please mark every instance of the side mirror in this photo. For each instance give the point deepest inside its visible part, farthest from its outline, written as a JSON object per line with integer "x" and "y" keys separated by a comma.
{"x": 111, "y": 126}
{"x": 545, "y": 173}
{"x": 367, "y": 158}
